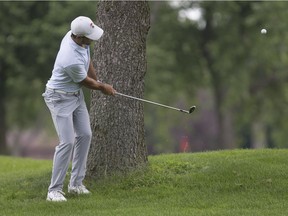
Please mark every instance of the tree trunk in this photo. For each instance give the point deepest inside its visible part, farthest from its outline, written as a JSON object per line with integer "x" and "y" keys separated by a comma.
{"x": 259, "y": 136}
{"x": 120, "y": 59}
{"x": 3, "y": 144}
{"x": 226, "y": 137}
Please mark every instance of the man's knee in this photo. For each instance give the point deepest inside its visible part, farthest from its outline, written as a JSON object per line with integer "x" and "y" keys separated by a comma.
{"x": 87, "y": 135}
{"x": 65, "y": 145}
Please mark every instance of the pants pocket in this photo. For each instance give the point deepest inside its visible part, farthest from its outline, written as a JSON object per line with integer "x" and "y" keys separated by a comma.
{"x": 51, "y": 98}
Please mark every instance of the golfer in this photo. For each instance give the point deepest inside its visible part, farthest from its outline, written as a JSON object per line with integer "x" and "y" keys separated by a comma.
{"x": 73, "y": 68}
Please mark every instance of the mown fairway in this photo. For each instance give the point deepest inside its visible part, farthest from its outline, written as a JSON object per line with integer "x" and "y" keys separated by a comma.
{"x": 238, "y": 182}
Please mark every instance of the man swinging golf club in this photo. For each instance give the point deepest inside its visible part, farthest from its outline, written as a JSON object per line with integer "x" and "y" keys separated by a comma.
{"x": 64, "y": 97}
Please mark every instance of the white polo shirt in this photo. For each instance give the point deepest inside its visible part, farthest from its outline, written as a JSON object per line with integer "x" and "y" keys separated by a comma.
{"x": 71, "y": 66}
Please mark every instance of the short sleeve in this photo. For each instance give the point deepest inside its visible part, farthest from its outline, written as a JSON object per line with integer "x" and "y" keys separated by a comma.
{"x": 76, "y": 72}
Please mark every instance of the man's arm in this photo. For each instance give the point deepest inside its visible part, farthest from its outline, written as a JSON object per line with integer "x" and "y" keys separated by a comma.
{"x": 92, "y": 71}
{"x": 95, "y": 85}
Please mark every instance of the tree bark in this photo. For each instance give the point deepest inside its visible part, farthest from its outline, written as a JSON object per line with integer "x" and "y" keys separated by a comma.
{"x": 117, "y": 123}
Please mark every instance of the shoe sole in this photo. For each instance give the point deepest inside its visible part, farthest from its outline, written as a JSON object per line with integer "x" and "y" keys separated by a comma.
{"x": 50, "y": 200}
{"x": 75, "y": 192}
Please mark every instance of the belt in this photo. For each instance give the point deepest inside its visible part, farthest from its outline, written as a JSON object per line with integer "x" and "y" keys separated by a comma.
{"x": 63, "y": 92}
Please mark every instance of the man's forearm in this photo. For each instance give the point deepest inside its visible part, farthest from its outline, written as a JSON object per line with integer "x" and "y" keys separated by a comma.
{"x": 91, "y": 83}
{"x": 95, "y": 85}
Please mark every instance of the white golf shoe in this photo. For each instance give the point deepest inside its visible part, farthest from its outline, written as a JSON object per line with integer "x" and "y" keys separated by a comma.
{"x": 81, "y": 189}
{"x": 56, "y": 196}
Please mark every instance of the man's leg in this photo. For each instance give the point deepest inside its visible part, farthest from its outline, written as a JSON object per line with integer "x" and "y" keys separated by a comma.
{"x": 82, "y": 143}
{"x": 63, "y": 152}
{"x": 61, "y": 108}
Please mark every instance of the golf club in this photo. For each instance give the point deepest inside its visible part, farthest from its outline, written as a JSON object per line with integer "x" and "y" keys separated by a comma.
{"x": 158, "y": 104}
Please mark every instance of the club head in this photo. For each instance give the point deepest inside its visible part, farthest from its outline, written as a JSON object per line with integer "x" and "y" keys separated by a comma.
{"x": 192, "y": 109}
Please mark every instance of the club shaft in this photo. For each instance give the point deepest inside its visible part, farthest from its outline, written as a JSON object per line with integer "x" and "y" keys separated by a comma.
{"x": 151, "y": 102}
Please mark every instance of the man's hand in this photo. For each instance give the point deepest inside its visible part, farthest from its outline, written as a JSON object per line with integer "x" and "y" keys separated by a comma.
{"x": 108, "y": 89}
{"x": 95, "y": 85}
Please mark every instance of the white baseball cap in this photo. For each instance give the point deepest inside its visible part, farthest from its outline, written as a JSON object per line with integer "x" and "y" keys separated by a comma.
{"x": 84, "y": 26}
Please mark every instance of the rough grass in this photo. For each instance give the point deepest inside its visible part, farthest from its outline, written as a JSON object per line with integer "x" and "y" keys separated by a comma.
{"x": 238, "y": 182}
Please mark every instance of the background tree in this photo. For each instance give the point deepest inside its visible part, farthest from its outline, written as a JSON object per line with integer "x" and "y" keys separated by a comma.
{"x": 120, "y": 59}
{"x": 236, "y": 74}
{"x": 31, "y": 33}
{"x": 248, "y": 69}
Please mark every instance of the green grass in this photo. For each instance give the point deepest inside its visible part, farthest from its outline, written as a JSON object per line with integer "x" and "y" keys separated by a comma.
{"x": 238, "y": 182}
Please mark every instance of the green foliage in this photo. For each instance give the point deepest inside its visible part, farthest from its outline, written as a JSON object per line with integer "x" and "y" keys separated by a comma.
{"x": 239, "y": 182}
{"x": 31, "y": 33}
{"x": 244, "y": 71}
{"x": 248, "y": 68}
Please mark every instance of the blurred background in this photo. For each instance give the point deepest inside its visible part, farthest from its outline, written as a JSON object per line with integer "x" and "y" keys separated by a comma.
{"x": 203, "y": 53}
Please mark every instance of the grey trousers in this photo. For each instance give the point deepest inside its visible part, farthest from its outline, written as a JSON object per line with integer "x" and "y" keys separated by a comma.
{"x": 71, "y": 120}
